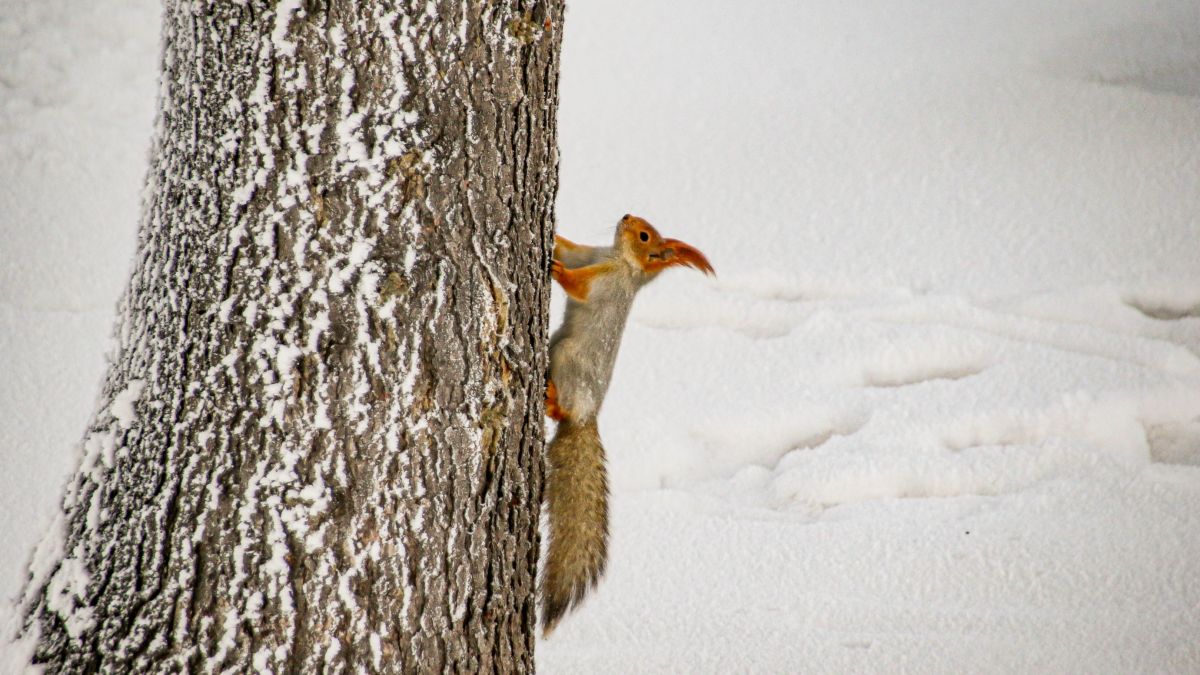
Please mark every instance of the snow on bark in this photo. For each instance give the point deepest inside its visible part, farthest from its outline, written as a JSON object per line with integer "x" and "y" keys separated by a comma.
{"x": 319, "y": 445}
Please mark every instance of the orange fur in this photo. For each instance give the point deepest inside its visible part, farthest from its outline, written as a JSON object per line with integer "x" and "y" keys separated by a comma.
{"x": 576, "y": 487}
{"x": 654, "y": 253}
{"x": 553, "y": 411}
{"x": 564, "y": 243}
{"x": 577, "y": 282}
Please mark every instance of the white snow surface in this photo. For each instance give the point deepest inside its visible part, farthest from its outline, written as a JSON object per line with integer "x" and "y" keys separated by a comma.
{"x": 938, "y": 413}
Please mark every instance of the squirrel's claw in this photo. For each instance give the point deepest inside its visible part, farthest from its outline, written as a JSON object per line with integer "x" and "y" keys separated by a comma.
{"x": 576, "y": 282}
{"x": 553, "y": 411}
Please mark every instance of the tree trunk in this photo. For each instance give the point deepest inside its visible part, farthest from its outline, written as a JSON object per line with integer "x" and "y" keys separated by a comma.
{"x": 319, "y": 446}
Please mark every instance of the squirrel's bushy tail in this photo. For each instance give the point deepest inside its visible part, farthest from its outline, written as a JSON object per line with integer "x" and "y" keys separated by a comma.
{"x": 577, "y": 502}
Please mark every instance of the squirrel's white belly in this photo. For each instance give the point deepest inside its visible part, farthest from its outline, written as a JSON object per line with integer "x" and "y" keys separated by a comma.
{"x": 584, "y": 349}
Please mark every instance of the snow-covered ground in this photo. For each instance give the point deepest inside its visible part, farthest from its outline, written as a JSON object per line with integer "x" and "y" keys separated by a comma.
{"x": 940, "y": 410}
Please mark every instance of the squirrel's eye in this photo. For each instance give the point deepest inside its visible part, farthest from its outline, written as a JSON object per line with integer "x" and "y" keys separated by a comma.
{"x": 643, "y": 236}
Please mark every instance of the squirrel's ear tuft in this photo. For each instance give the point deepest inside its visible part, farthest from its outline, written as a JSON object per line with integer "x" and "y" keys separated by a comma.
{"x": 687, "y": 255}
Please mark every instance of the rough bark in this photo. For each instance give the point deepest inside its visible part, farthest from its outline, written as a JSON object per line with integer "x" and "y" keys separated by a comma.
{"x": 319, "y": 445}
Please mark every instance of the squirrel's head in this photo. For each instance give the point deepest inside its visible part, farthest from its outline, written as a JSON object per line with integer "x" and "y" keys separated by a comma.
{"x": 645, "y": 248}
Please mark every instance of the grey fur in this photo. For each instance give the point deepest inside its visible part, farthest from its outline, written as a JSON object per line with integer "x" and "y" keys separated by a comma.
{"x": 584, "y": 349}
{"x": 583, "y": 352}
{"x": 577, "y": 505}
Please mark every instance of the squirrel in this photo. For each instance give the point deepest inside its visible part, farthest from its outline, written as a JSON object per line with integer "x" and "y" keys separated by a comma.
{"x": 600, "y": 283}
